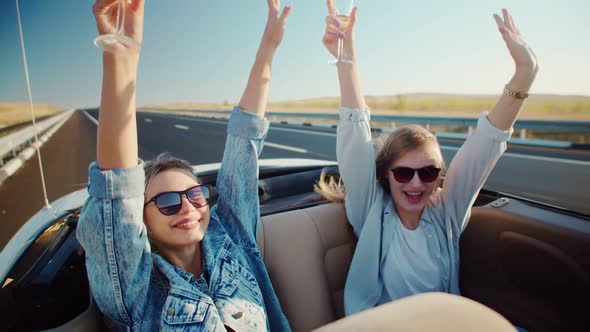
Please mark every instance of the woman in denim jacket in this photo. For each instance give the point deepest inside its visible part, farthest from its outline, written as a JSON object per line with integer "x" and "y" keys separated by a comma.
{"x": 407, "y": 227}
{"x": 208, "y": 274}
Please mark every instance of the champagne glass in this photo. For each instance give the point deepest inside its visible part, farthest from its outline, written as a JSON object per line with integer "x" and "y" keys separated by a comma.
{"x": 341, "y": 12}
{"x": 106, "y": 40}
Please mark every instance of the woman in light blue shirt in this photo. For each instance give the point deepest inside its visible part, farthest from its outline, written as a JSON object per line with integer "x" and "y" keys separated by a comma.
{"x": 407, "y": 227}
{"x": 208, "y": 274}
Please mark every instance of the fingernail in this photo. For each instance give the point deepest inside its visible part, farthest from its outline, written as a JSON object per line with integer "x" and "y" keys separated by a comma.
{"x": 290, "y": 4}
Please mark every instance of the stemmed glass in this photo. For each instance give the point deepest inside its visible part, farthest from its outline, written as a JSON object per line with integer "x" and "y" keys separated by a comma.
{"x": 341, "y": 12}
{"x": 106, "y": 40}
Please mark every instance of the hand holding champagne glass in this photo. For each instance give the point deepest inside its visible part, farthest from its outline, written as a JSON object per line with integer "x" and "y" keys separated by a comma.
{"x": 341, "y": 11}
{"x": 118, "y": 24}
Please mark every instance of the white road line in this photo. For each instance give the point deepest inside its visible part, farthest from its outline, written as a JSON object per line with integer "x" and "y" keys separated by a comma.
{"x": 526, "y": 156}
{"x": 309, "y": 132}
{"x": 181, "y": 127}
{"x": 90, "y": 117}
{"x": 285, "y": 147}
{"x": 201, "y": 120}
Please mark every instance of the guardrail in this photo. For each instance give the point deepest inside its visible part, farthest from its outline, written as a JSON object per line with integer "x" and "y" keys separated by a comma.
{"x": 19, "y": 126}
{"x": 11, "y": 144}
{"x": 45, "y": 129}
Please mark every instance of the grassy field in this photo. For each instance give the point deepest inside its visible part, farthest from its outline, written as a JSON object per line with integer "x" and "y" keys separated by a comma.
{"x": 550, "y": 107}
{"x": 12, "y": 113}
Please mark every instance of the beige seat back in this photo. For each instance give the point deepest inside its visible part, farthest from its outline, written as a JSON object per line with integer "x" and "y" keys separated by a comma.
{"x": 307, "y": 254}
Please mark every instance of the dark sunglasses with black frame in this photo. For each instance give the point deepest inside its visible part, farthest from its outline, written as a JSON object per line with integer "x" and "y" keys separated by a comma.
{"x": 406, "y": 174}
{"x": 170, "y": 202}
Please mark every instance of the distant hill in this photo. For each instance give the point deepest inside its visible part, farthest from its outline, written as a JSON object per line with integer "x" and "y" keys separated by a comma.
{"x": 429, "y": 104}
{"x": 12, "y": 113}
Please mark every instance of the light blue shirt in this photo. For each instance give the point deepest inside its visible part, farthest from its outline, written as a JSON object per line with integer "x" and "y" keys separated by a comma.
{"x": 138, "y": 290}
{"x": 422, "y": 252}
{"x": 391, "y": 262}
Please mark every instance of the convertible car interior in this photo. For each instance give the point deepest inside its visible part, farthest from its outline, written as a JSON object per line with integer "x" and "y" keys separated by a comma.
{"x": 526, "y": 261}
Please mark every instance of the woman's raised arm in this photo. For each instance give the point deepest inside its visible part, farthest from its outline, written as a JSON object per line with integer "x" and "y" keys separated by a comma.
{"x": 117, "y": 128}
{"x": 237, "y": 183}
{"x": 477, "y": 157}
{"x": 256, "y": 93}
{"x": 354, "y": 145}
{"x": 111, "y": 229}
{"x": 504, "y": 113}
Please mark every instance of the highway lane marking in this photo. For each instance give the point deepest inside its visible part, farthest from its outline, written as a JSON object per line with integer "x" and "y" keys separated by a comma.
{"x": 272, "y": 128}
{"x": 90, "y": 117}
{"x": 200, "y": 120}
{"x": 506, "y": 154}
{"x": 524, "y": 156}
{"x": 285, "y": 147}
{"x": 305, "y": 131}
{"x": 178, "y": 126}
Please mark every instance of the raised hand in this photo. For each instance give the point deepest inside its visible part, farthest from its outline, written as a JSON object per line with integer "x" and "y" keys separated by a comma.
{"x": 506, "y": 111}
{"x": 334, "y": 31}
{"x": 522, "y": 54}
{"x": 276, "y": 24}
{"x": 105, "y": 13}
{"x": 256, "y": 93}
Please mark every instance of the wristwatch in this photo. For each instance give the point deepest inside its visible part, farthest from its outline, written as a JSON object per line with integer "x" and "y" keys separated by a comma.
{"x": 515, "y": 94}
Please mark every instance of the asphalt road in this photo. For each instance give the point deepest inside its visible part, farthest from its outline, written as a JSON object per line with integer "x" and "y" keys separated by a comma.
{"x": 554, "y": 176}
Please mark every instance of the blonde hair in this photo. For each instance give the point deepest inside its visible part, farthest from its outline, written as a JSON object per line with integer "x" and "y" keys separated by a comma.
{"x": 330, "y": 188}
{"x": 395, "y": 146}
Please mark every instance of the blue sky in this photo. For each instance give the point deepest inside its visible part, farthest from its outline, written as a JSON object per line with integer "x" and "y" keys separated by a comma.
{"x": 201, "y": 51}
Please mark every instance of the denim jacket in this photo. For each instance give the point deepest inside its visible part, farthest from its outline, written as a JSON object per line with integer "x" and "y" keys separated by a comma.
{"x": 138, "y": 290}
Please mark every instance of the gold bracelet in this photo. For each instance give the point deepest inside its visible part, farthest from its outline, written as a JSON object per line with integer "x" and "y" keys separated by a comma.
{"x": 515, "y": 94}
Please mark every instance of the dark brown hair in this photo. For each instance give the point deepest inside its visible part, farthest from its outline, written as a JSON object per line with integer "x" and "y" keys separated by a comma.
{"x": 165, "y": 161}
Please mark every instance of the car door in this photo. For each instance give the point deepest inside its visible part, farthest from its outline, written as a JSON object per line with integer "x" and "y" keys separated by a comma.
{"x": 529, "y": 262}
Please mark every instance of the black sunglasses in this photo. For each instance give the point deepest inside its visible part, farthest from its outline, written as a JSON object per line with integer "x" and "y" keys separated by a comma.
{"x": 406, "y": 174}
{"x": 170, "y": 202}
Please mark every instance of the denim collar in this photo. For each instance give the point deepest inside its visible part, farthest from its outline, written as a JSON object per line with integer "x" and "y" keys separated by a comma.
{"x": 215, "y": 245}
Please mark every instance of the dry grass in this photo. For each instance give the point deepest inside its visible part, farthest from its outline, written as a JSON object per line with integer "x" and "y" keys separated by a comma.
{"x": 12, "y": 113}
{"x": 549, "y": 107}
